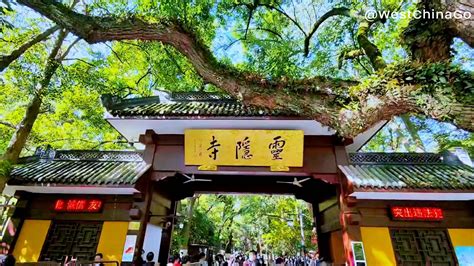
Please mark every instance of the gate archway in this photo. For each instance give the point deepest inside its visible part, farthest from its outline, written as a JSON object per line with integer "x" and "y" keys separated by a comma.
{"x": 317, "y": 183}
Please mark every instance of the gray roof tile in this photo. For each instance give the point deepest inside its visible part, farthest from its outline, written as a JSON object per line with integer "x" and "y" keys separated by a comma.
{"x": 80, "y": 167}
{"x": 187, "y": 105}
{"x": 396, "y": 171}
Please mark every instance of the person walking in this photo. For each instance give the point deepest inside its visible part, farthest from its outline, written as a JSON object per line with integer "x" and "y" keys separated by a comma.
{"x": 202, "y": 259}
{"x": 9, "y": 260}
{"x": 253, "y": 261}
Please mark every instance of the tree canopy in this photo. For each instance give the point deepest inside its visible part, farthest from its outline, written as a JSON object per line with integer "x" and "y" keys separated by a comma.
{"x": 322, "y": 59}
{"x": 269, "y": 224}
{"x": 282, "y": 50}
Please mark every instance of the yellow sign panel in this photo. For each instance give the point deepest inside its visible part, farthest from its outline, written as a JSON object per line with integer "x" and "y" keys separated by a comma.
{"x": 244, "y": 147}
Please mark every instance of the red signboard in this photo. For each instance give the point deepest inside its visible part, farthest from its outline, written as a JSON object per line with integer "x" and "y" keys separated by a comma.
{"x": 417, "y": 213}
{"x": 78, "y": 205}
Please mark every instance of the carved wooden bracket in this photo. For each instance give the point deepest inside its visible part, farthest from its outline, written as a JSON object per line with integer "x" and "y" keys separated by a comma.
{"x": 351, "y": 201}
{"x": 138, "y": 197}
{"x": 150, "y": 137}
{"x": 352, "y": 218}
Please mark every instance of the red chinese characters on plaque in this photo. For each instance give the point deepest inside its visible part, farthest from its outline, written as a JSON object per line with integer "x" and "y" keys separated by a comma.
{"x": 78, "y": 205}
{"x": 417, "y": 213}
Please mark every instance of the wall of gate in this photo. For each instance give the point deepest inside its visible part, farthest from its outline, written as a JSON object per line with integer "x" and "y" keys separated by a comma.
{"x": 57, "y": 225}
{"x": 378, "y": 246}
{"x": 30, "y": 241}
{"x": 112, "y": 239}
{"x": 419, "y": 237}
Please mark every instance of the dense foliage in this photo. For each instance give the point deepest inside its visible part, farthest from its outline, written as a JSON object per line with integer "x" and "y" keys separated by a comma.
{"x": 232, "y": 223}
{"x": 277, "y": 40}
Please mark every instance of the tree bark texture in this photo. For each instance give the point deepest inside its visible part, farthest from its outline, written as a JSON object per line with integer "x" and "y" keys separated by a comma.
{"x": 430, "y": 39}
{"x": 187, "y": 228}
{"x": 463, "y": 27}
{"x": 344, "y": 105}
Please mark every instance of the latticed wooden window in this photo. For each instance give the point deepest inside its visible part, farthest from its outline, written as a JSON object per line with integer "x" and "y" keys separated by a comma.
{"x": 421, "y": 247}
{"x": 77, "y": 239}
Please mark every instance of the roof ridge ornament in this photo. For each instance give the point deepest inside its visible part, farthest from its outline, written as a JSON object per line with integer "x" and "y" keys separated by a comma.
{"x": 463, "y": 156}
{"x": 201, "y": 96}
{"x": 398, "y": 158}
{"x": 45, "y": 154}
{"x": 110, "y": 101}
{"x": 95, "y": 155}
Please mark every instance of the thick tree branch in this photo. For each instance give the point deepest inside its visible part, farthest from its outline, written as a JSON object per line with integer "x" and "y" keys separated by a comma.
{"x": 370, "y": 49}
{"x": 430, "y": 40}
{"x": 251, "y": 11}
{"x": 6, "y": 60}
{"x": 96, "y": 29}
{"x": 413, "y": 131}
{"x": 19, "y": 137}
{"x": 340, "y": 104}
{"x": 463, "y": 26}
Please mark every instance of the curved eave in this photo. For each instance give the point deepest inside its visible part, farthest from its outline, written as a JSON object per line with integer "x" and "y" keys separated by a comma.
{"x": 71, "y": 189}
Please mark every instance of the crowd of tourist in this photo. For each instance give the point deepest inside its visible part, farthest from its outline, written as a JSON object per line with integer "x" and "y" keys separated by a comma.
{"x": 240, "y": 259}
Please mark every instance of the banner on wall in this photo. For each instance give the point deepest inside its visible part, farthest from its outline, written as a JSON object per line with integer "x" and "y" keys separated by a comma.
{"x": 129, "y": 248}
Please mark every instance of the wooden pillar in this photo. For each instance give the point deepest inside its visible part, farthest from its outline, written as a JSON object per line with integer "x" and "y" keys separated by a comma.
{"x": 150, "y": 140}
{"x": 141, "y": 208}
{"x": 17, "y": 218}
{"x": 350, "y": 219}
{"x": 349, "y": 215}
{"x": 323, "y": 239}
{"x": 166, "y": 234}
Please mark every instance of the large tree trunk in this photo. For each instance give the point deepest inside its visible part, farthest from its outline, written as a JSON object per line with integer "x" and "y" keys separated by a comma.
{"x": 187, "y": 228}
{"x": 19, "y": 137}
{"x": 464, "y": 27}
{"x": 430, "y": 39}
{"x": 18, "y": 140}
{"x": 370, "y": 49}
{"x": 23, "y": 130}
